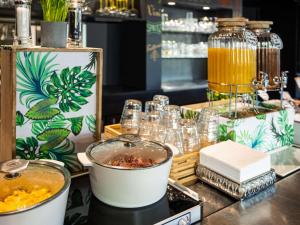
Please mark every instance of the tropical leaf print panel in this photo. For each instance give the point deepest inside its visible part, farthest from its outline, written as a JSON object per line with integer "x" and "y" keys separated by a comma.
{"x": 55, "y": 105}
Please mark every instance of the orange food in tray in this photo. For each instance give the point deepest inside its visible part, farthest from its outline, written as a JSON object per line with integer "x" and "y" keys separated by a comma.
{"x": 21, "y": 199}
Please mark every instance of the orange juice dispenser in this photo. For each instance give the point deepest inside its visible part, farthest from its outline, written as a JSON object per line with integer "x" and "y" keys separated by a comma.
{"x": 232, "y": 57}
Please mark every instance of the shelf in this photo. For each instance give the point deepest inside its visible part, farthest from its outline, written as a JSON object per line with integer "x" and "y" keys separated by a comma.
{"x": 181, "y": 85}
{"x": 184, "y": 32}
{"x": 112, "y": 19}
{"x": 183, "y": 57}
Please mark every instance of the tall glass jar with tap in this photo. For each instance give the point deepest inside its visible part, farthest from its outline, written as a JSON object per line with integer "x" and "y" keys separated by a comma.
{"x": 232, "y": 57}
{"x": 268, "y": 55}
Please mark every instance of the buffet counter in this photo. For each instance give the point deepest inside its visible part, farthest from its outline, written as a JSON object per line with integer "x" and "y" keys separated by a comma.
{"x": 278, "y": 204}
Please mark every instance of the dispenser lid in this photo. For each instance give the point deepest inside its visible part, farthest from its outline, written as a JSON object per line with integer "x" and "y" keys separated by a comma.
{"x": 259, "y": 24}
{"x": 235, "y": 21}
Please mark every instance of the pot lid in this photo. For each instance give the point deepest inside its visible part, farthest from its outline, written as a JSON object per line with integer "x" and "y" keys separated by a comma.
{"x": 27, "y": 184}
{"x": 129, "y": 152}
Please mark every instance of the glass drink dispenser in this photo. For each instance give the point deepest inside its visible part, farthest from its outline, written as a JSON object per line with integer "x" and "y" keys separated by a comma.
{"x": 268, "y": 55}
{"x": 232, "y": 57}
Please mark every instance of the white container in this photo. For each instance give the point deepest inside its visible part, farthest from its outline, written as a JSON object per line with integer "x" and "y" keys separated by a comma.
{"x": 123, "y": 186}
{"x": 51, "y": 211}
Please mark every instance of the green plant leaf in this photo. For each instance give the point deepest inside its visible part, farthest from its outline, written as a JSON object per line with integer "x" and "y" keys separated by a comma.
{"x": 42, "y": 110}
{"x": 258, "y": 138}
{"x": 55, "y": 10}
{"x": 231, "y": 135}
{"x": 190, "y": 114}
{"x": 91, "y": 123}
{"x": 27, "y": 148}
{"x": 33, "y": 71}
{"x": 76, "y": 125}
{"x": 53, "y": 138}
{"x": 19, "y": 118}
{"x": 93, "y": 61}
{"x": 72, "y": 87}
{"x": 65, "y": 152}
{"x": 283, "y": 132}
{"x": 222, "y": 132}
{"x": 261, "y": 116}
{"x": 58, "y": 121}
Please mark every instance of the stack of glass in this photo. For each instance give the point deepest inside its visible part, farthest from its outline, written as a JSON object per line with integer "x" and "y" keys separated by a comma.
{"x": 160, "y": 122}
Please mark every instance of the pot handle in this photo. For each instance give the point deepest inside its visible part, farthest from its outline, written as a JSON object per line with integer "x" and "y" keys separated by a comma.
{"x": 83, "y": 159}
{"x": 174, "y": 149}
{"x": 53, "y": 161}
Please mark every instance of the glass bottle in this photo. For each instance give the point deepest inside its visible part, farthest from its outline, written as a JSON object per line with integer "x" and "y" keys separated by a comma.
{"x": 23, "y": 22}
{"x": 75, "y": 23}
{"x": 268, "y": 54}
{"x": 232, "y": 57}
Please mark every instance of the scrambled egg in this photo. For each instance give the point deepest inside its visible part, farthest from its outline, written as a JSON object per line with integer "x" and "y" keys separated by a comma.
{"x": 20, "y": 199}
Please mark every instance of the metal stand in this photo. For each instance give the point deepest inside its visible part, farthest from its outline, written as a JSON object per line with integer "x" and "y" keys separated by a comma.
{"x": 250, "y": 99}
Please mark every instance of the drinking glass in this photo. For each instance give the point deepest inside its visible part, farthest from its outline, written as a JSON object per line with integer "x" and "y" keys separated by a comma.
{"x": 174, "y": 138}
{"x": 171, "y": 116}
{"x": 189, "y": 135}
{"x": 131, "y": 116}
{"x": 151, "y": 106}
{"x": 149, "y": 124}
{"x": 208, "y": 123}
{"x": 162, "y": 99}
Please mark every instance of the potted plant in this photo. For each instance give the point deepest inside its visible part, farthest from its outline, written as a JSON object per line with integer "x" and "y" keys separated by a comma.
{"x": 54, "y": 27}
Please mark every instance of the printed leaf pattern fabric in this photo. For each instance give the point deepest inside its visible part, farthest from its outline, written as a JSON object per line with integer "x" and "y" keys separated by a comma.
{"x": 42, "y": 110}
{"x": 72, "y": 87}
{"x": 32, "y": 75}
{"x": 19, "y": 118}
{"x": 263, "y": 132}
{"x": 282, "y": 130}
{"x": 47, "y": 96}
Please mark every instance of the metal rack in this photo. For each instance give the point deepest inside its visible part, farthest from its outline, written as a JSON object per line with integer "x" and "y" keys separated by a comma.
{"x": 248, "y": 100}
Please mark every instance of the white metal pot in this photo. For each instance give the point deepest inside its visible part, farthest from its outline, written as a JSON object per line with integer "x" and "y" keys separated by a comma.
{"x": 48, "y": 212}
{"x": 126, "y": 187}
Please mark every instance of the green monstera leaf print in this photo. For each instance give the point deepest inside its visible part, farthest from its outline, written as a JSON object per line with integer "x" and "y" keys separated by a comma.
{"x": 33, "y": 71}
{"x": 76, "y": 125}
{"x": 72, "y": 87}
{"x": 42, "y": 110}
{"x": 27, "y": 148}
{"x": 52, "y": 137}
{"x": 19, "y": 118}
{"x": 59, "y": 121}
{"x": 65, "y": 152}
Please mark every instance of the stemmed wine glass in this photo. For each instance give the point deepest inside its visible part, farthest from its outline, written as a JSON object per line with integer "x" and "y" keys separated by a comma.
{"x": 101, "y": 10}
{"x": 133, "y": 11}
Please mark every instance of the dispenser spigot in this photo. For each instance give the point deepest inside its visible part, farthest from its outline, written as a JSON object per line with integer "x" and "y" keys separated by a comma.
{"x": 264, "y": 80}
{"x": 284, "y": 78}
